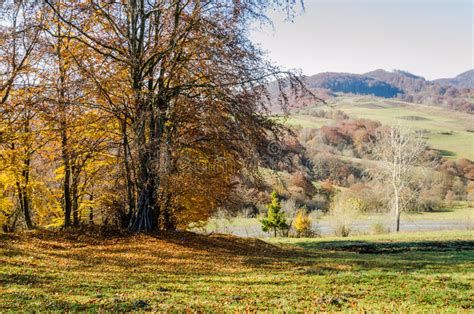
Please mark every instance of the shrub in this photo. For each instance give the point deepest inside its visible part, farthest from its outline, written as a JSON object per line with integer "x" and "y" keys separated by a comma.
{"x": 343, "y": 212}
{"x": 303, "y": 223}
{"x": 379, "y": 228}
{"x": 469, "y": 221}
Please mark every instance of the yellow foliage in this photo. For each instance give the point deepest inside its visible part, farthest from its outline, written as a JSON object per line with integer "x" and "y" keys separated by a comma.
{"x": 302, "y": 222}
{"x": 6, "y": 203}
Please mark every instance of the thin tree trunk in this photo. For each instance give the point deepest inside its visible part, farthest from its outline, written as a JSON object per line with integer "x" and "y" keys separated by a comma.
{"x": 75, "y": 207}
{"x": 75, "y": 178}
{"x": 398, "y": 222}
{"x": 168, "y": 222}
{"x": 23, "y": 195}
{"x": 397, "y": 212}
{"x": 26, "y": 208}
{"x": 91, "y": 210}
{"x": 130, "y": 190}
{"x": 24, "y": 204}
{"x": 67, "y": 204}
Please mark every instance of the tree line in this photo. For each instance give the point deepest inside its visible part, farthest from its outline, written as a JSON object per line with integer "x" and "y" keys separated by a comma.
{"x": 142, "y": 114}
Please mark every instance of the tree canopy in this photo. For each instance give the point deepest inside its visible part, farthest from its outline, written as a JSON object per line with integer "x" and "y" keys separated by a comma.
{"x": 142, "y": 114}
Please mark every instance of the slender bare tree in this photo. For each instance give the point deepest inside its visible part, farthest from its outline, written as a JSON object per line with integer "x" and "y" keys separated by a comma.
{"x": 398, "y": 150}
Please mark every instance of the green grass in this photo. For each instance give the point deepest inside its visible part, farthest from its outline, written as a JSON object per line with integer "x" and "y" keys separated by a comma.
{"x": 461, "y": 212}
{"x": 305, "y": 121}
{"x": 402, "y": 238}
{"x": 184, "y": 272}
{"x": 438, "y": 121}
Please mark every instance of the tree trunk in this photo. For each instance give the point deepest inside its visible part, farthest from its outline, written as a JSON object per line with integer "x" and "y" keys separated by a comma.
{"x": 23, "y": 195}
{"x": 75, "y": 178}
{"x": 398, "y": 222}
{"x": 128, "y": 175}
{"x": 67, "y": 204}
{"x": 168, "y": 222}
{"x": 75, "y": 207}
{"x": 91, "y": 210}
{"x": 26, "y": 209}
{"x": 24, "y": 204}
{"x": 145, "y": 219}
{"x": 397, "y": 212}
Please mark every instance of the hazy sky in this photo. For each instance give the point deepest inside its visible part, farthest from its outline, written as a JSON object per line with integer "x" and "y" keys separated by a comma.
{"x": 431, "y": 38}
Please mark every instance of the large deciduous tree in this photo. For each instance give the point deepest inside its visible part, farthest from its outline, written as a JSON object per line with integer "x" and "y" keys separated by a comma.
{"x": 187, "y": 82}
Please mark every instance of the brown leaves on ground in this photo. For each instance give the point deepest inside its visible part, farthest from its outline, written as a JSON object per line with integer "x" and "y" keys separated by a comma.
{"x": 184, "y": 250}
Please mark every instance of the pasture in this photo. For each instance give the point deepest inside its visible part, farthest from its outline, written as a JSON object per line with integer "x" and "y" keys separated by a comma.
{"x": 446, "y": 130}
{"x": 44, "y": 271}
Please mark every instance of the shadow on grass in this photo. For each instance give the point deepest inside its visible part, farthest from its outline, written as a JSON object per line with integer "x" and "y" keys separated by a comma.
{"x": 365, "y": 247}
{"x": 25, "y": 279}
{"x": 434, "y": 211}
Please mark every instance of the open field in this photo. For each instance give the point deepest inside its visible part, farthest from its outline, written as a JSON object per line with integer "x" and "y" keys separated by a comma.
{"x": 447, "y": 129}
{"x": 188, "y": 272}
{"x": 459, "y": 217}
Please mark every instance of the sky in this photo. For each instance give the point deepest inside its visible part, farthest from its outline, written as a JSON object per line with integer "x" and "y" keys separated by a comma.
{"x": 430, "y": 38}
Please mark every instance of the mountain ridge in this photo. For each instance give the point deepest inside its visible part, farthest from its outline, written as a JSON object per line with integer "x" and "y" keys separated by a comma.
{"x": 463, "y": 80}
{"x": 455, "y": 93}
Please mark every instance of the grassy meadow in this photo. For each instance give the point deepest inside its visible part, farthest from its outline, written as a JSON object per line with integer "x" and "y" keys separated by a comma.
{"x": 43, "y": 271}
{"x": 449, "y": 131}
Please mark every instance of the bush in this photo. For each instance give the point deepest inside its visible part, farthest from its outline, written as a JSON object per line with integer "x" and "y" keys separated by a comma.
{"x": 379, "y": 228}
{"x": 303, "y": 224}
{"x": 343, "y": 212}
{"x": 469, "y": 221}
{"x": 342, "y": 231}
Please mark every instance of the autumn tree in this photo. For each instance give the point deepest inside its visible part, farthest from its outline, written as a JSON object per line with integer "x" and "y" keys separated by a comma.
{"x": 20, "y": 128}
{"x": 302, "y": 223}
{"x": 168, "y": 55}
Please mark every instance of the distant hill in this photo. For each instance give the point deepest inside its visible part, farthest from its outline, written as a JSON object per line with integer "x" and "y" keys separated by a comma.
{"x": 407, "y": 82}
{"x": 456, "y": 93}
{"x": 352, "y": 83}
{"x": 463, "y": 80}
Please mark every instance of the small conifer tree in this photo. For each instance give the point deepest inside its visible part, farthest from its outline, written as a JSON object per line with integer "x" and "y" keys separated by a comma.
{"x": 275, "y": 219}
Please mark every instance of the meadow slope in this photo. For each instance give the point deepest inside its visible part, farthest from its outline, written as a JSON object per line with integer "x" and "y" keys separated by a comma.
{"x": 449, "y": 131}
{"x": 188, "y": 272}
